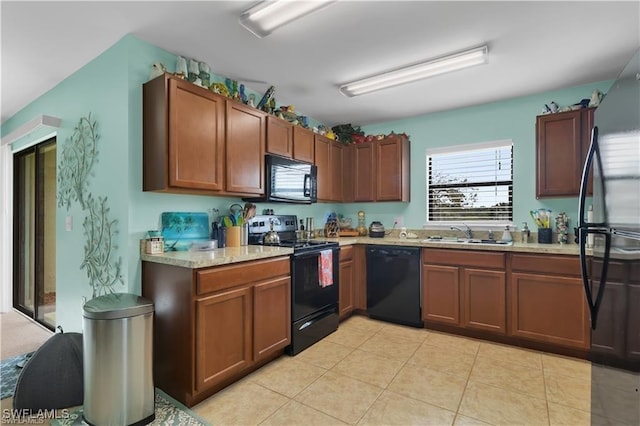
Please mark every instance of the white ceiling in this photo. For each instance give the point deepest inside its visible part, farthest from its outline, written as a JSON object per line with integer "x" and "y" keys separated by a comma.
{"x": 533, "y": 47}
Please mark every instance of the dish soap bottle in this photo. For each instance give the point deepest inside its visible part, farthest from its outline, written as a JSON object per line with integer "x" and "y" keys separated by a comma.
{"x": 525, "y": 233}
{"x": 506, "y": 235}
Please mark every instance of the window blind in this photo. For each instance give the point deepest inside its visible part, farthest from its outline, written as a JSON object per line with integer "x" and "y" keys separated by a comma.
{"x": 472, "y": 183}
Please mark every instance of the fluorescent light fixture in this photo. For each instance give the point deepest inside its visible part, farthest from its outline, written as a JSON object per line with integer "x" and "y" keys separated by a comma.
{"x": 269, "y": 15}
{"x": 454, "y": 62}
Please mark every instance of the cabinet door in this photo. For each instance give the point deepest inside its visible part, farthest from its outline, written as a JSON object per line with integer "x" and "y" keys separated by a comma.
{"x": 364, "y": 178}
{"x": 392, "y": 175}
{"x": 279, "y": 137}
{"x": 549, "y": 309}
{"x": 196, "y": 137}
{"x": 559, "y": 154}
{"x": 440, "y": 294}
{"x": 223, "y": 335}
{"x": 323, "y": 161}
{"x": 633, "y": 323}
{"x": 303, "y": 144}
{"x": 360, "y": 278}
{"x": 348, "y": 174}
{"x": 346, "y": 288}
{"x": 609, "y": 335}
{"x": 335, "y": 169}
{"x": 245, "y": 149}
{"x": 271, "y": 317}
{"x": 484, "y": 300}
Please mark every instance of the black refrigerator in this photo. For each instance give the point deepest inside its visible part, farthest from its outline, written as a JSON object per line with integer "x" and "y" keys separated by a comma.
{"x": 609, "y": 239}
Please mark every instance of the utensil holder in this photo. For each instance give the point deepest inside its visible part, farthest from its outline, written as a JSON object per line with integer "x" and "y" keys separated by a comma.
{"x": 544, "y": 235}
{"x": 234, "y": 234}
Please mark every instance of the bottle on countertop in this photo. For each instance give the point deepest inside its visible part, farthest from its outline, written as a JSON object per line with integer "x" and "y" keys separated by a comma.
{"x": 214, "y": 230}
{"x": 506, "y": 235}
{"x": 526, "y": 233}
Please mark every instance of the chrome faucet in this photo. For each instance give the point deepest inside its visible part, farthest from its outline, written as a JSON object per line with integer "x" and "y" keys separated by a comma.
{"x": 467, "y": 232}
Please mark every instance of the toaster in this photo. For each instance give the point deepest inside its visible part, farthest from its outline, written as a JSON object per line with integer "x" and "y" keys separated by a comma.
{"x": 376, "y": 230}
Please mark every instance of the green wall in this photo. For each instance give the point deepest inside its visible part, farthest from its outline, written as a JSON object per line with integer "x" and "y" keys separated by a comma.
{"x": 110, "y": 87}
{"x": 513, "y": 119}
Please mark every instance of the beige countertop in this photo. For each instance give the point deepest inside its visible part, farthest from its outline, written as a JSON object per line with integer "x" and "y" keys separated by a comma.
{"x": 569, "y": 249}
{"x": 224, "y": 256}
{"x": 217, "y": 257}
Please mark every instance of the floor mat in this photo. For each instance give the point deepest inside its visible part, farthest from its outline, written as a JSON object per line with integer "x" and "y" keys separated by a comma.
{"x": 9, "y": 373}
{"x": 168, "y": 412}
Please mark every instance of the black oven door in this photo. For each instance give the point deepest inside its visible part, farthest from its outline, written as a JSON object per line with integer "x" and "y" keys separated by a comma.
{"x": 308, "y": 295}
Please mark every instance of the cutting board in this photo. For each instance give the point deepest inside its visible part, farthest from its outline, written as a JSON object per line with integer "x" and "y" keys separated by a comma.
{"x": 348, "y": 233}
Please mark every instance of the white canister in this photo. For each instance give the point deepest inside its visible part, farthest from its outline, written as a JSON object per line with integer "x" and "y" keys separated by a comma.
{"x": 403, "y": 232}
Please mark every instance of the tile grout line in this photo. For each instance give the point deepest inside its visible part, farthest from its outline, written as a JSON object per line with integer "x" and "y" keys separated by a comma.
{"x": 392, "y": 379}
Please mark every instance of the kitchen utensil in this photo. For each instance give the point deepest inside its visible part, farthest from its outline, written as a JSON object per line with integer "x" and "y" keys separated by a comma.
{"x": 376, "y": 230}
{"x": 310, "y": 226}
{"x": 236, "y": 214}
{"x": 271, "y": 237}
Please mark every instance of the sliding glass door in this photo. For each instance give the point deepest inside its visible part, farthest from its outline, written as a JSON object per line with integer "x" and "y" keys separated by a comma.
{"x": 34, "y": 232}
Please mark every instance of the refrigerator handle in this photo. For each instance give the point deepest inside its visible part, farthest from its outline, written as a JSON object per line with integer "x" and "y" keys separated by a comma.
{"x": 593, "y": 146}
{"x": 594, "y": 305}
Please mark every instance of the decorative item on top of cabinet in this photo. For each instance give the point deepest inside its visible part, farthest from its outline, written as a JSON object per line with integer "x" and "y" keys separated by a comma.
{"x": 562, "y": 143}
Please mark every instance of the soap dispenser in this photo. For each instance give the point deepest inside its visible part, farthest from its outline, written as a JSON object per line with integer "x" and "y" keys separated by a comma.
{"x": 506, "y": 235}
{"x": 525, "y": 233}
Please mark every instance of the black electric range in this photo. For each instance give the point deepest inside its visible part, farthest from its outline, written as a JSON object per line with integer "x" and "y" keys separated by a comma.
{"x": 314, "y": 280}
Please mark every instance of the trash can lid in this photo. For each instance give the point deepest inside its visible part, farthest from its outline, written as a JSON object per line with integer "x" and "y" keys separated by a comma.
{"x": 117, "y": 305}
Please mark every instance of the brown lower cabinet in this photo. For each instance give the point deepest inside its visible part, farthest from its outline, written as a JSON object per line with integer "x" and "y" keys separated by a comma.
{"x": 547, "y": 300}
{"x": 463, "y": 288}
{"x": 214, "y": 325}
{"x": 347, "y": 278}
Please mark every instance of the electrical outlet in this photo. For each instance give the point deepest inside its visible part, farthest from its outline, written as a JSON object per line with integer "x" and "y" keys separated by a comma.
{"x": 399, "y": 220}
{"x": 68, "y": 223}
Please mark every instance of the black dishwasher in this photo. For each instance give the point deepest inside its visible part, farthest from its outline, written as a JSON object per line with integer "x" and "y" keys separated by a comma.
{"x": 393, "y": 284}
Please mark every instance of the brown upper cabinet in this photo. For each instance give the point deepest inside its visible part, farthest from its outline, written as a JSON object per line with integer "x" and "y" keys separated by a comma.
{"x": 183, "y": 137}
{"x": 195, "y": 141}
{"x": 303, "y": 144}
{"x": 363, "y": 176}
{"x": 279, "y": 137}
{"x": 245, "y": 149}
{"x": 328, "y": 158}
{"x": 382, "y": 170}
{"x": 287, "y": 140}
{"x": 562, "y": 143}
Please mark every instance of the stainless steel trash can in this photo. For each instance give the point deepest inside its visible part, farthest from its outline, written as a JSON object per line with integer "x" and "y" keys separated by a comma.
{"x": 118, "y": 360}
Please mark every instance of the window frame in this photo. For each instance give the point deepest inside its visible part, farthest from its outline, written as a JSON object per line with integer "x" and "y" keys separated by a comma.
{"x": 462, "y": 148}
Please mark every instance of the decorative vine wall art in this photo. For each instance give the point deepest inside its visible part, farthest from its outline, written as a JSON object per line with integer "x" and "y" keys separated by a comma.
{"x": 99, "y": 232}
{"x": 79, "y": 154}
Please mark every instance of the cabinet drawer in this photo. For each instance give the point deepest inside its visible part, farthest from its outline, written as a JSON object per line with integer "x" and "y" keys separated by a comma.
{"x": 463, "y": 258}
{"x": 346, "y": 253}
{"x": 219, "y": 278}
{"x": 546, "y": 264}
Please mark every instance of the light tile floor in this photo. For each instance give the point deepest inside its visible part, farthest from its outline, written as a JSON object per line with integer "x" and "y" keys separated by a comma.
{"x": 370, "y": 372}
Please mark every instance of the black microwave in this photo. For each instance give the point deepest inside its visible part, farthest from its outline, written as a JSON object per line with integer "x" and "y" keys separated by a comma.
{"x": 289, "y": 181}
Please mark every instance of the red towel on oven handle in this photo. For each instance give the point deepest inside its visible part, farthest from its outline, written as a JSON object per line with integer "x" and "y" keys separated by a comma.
{"x": 325, "y": 268}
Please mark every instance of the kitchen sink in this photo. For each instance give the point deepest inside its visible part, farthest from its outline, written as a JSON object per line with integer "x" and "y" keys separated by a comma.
{"x": 474, "y": 241}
